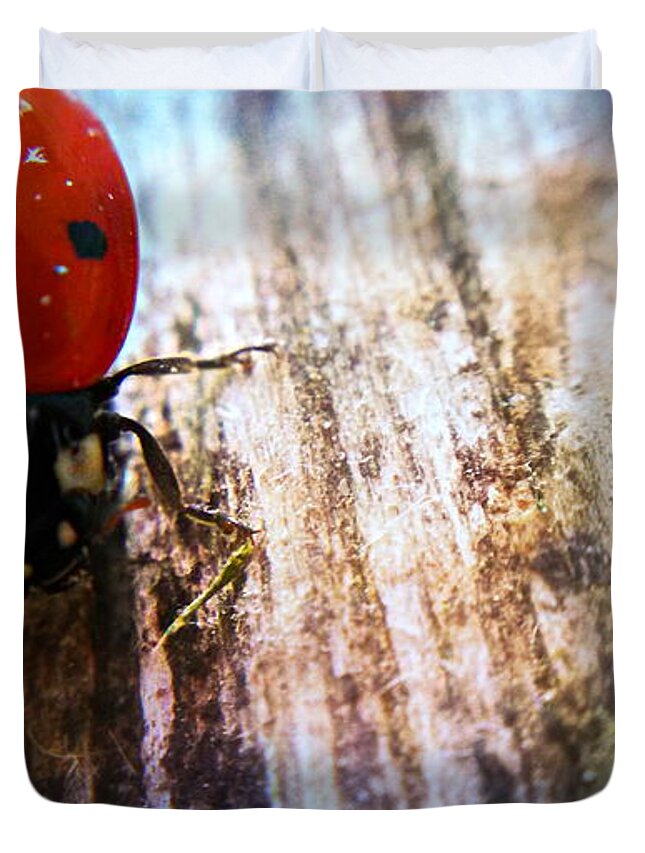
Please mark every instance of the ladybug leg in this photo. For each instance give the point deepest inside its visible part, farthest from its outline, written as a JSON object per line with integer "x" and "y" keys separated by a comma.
{"x": 167, "y": 485}
{"x": 175, "y": 365}
{"x": 165, "y": 479}
{"x": 122, "y": 511}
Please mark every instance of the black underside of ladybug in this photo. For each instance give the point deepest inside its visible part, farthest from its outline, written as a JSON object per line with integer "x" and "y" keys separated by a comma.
{"x": 63, "y": 519}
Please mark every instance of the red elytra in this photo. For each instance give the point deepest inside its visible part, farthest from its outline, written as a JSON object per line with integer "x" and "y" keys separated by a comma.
{"x": 76, "y": 244}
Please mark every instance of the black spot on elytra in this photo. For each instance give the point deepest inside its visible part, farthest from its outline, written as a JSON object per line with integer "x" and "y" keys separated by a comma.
{"x": 88, "y": 239}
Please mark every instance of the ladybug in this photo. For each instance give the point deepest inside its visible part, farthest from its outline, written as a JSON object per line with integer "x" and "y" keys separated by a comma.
{"x": 77, "y": 264}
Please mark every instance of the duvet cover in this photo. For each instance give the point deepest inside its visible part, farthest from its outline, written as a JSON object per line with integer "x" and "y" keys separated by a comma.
{"x": 319, "y": 401}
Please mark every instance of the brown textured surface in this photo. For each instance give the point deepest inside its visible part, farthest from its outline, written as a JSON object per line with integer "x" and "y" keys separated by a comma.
{"x": 426, "y": 620}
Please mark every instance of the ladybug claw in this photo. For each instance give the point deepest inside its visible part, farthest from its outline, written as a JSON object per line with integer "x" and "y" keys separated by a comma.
{"x": 216, "y": 518}
{"x": 243, "y": 356}
{"x": 272, "y": 347}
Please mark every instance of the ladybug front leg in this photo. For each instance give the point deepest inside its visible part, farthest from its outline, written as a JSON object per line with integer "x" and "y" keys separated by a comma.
{"x": 165, "y": 479}
{"x": 174, "y": 365}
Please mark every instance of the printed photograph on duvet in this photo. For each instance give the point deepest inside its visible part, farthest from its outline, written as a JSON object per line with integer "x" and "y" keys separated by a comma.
{"x": 318, "y": 510}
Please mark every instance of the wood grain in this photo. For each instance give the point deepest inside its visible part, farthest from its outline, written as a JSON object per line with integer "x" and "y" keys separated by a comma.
{"x": 426, "y": 620}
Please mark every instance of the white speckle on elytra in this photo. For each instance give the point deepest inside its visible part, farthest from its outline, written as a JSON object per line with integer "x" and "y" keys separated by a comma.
{"x": 36, "y": 154}
{"x": 69, "y": 182}
{"x": 46, "y": 299}
{"x": 61, "y": 269}
{"x": 38, "y": 196}
{"x": 25, "y": 107}
{"x": 110, "y": 196}
{"x": 92, "y": 131}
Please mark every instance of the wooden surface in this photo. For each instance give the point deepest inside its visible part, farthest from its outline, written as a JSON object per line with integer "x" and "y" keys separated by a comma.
{"x": 426, "y": 620}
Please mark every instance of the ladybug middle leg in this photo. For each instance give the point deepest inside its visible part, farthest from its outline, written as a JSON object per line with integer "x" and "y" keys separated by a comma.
{"x": 164, "y": 477}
